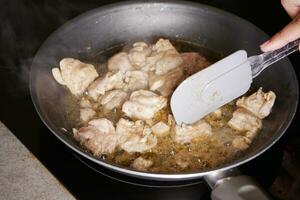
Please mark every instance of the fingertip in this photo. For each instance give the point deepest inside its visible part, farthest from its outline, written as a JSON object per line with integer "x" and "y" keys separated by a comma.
{"x": 265, "y": 46}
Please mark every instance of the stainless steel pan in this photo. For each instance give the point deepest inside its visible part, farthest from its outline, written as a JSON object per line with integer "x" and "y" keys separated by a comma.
{"x": 99, "y": 29}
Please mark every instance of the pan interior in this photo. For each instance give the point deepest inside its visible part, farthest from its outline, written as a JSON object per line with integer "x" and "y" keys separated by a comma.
{"x": 121, "y": 24}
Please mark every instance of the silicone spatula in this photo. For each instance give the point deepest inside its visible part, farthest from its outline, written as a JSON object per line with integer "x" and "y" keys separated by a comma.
{"x": 221, "y": 82}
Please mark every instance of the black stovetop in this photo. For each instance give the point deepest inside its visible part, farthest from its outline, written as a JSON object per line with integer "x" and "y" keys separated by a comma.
{"x": 25, "y": 25}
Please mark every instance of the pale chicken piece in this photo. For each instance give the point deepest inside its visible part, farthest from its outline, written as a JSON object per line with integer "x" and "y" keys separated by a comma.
{"x": 124, "y": 128}
{"x": 135, "y": 80}
{"x": 163, "y": 45}
{"x": 113, "y": 99}
{"x": 241, "y": 142}
{"x": 138, "y": 54}
{"x": 109, "y": 82}
{"x": 150, "y": 62}
{"x": 85, "y": 103}
{"x": 119, "y": 62}
{"x": 86, "y": 114}
{"x": 185, "y": 133}
{"x": 74, "y": 74}
{"x": 242, "y": 120}
{"x": 143, "y": 104}
{"x": 142, "y": 164}
{"x": 160, "y": 129}
{"x": 163, "y": 58}
{"x": 166, "y": 83}
{"x": 136, "y": 143}
{"x": 135, "y": 136}
{"x": 167, "y": 63}
{"x": 259, "y": 103}
{"x": 104, "y": 125}
{"x": 99, "y": 136}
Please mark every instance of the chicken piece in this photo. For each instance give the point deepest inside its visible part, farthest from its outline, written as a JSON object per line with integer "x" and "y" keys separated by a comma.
{"x": 169, "y": 59}
{"x": 185, "y": 133}
{"x": 135, "y": 80}
{"x": 113, "y": 99}
{"x": 166, "y": 83}
{"x": 259, "y": 103}
{"x": 241, "y": 142}
{"x": 103, "y": 125}
{"x": 163, "y": 58}
{"x": 163, "y": 45}
{"x": 160, "y": 129}
{"x": 86, "y": 114}
{"x": 193, "y": 62}
{"x": 167, "y": 63}
{"x": 142, "y": 164}
{"x": 182, "y": 160}
{"x": 217, "y": 113}
{"x": 99, "y": 136}
{"x": 85, "y": 103}
{"x": 138, "y": 54}
{"x": 74, "y": 74}
{"x": 143, "y": 104}
{"x": 125, "y": 128}
{"x": 135, "y": 136}
{"x": 109, "y": 82}
{"x": 242, "y": 120}
{"x": 151, "y": 61}
{"x": 119, "y": 62}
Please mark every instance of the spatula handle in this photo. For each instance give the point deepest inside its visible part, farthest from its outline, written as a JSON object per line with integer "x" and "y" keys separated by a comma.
{"x": 260, "y": 62}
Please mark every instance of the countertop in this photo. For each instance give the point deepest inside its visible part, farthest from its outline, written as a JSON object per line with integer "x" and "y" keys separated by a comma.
{"x": 22, "y": 175}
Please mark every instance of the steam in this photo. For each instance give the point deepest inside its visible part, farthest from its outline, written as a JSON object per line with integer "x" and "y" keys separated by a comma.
{"x": 24, "y": 26}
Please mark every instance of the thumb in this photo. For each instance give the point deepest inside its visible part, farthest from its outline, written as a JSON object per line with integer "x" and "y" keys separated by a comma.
{"x": 288, "y": 34}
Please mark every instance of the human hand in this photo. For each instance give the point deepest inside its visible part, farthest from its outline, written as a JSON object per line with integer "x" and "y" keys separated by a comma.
{"x": 290, "y": 32}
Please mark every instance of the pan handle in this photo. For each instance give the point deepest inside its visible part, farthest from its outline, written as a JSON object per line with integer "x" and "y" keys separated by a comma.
{"x": 231, "y": 184}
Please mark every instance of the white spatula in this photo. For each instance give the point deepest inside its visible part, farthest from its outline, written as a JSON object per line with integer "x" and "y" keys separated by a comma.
{"x": 222, "y": 82}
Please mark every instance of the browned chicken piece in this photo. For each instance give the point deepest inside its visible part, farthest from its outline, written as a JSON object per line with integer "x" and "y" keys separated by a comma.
{"x": 138, "y": 54}
{"x": 135, "y": 136}
{"x": 119, "y": 62}
{"x": 143, "y": 104}
{"x": 98, "y": 136}
{"x": 160, "y": 129}
{"x": 142, "y": 164}
{"x": 185, "y": 133}
{"x": 165, "y": 84}
{"x": 135, "y": 80}
{"x": 75, "y": 75}
{"x": 193, "y": 62}
{"x": 113, "y": 99}
{"x": 109, "y": 82}
{"x": 217, "y": 113}
{"x": 244, "y": 121}
{"x": 86, "y": 114}
{"x": 259, "y": 103}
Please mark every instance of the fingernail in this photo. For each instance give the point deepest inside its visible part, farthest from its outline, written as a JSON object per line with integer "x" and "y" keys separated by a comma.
{"x": 264, "y": 46}
{"x": 265, "y": 43}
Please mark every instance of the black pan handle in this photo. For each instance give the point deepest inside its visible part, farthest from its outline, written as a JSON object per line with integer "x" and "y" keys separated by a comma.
{"x": 232, "y": 185}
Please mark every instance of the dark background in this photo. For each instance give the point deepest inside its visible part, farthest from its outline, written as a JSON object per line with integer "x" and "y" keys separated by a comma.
{"x": 24, "y": 25}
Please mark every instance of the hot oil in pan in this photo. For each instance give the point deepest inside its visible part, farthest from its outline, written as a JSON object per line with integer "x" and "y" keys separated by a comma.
{"x": 168, "y": 156}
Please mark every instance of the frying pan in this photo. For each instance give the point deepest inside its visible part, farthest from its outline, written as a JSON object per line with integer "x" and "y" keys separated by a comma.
{"x": 112, "y": 25}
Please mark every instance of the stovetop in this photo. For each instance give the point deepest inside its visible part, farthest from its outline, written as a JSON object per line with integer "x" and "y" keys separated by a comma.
{"x": 25, "y": 25}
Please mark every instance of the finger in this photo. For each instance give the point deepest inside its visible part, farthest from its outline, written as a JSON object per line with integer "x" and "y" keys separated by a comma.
{"x": 288, "y": 34}
{"x": 292, "y": 7}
